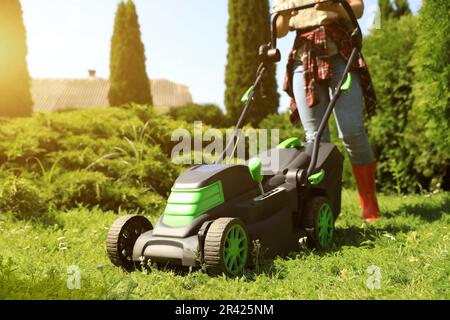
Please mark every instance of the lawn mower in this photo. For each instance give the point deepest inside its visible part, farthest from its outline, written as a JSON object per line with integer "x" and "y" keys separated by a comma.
{"x": 216, "y": 213}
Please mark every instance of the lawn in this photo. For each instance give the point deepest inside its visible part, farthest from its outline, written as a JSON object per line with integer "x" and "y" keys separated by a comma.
{"x": 409, "y": 247}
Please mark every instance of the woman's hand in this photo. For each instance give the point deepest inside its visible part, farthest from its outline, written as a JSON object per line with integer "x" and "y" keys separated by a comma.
{"x": 325, "y": 6}
{"x": 289, "y": 14}
{"x": 284, "y": 19}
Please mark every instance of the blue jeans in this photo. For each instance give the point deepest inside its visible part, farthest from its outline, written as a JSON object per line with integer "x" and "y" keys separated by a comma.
{"x": 348, "y": 112}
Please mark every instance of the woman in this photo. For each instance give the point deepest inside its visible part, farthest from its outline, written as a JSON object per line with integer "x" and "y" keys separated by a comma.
{"x": 316, "y": 63}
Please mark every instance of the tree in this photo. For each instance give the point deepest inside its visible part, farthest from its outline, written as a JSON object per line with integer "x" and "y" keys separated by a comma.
{"x": 116, "y": 54}
{"x": 15, "y": 95}
{"x": 248, "y": 28}
{"x": 388, "y": 11}
{"x": 402, "y": 8}
{"x": 129, "y": 82}
{"x": 428, "y": 135}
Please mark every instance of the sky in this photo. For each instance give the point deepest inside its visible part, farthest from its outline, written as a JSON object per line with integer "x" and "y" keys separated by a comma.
{"x": 185, "y": 41}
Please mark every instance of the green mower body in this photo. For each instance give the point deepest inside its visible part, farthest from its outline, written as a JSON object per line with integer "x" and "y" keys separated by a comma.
{"x": 278, "y": 219}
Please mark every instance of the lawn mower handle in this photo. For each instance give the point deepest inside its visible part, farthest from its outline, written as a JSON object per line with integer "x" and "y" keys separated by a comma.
{"x": 248, "y": 104}
{"x": 269, "y": 54}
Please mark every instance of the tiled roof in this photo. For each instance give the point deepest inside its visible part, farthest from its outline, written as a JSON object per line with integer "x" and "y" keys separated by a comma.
{"x": 62, "y": 94}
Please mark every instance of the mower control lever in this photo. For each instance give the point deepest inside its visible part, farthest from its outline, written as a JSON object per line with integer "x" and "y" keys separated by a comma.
{"x": 255, "y": 168}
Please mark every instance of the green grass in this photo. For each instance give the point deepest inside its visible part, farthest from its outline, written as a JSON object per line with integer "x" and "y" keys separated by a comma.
{"x": 410, "y": 245}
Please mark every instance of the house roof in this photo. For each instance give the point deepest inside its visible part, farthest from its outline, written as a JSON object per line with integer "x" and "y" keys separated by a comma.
{"x": 63, "y": 94}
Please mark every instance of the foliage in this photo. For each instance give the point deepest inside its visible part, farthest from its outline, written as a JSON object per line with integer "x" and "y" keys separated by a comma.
{"x": 22, "y": 197}
{"x": 111, "y": 158}
{"x": 283, "y": 124}
{"x": 128, "y": 77}
{"x": 393, "y": 76}
{"x": 402, "y": 8}
{"x": 95, "y": 189}
{"x": 388, "y": 11}
{"x": 15, "y": 95}
{"x": 208, "y": 114}
{"x": 428, "y": 133}
{"x": 248, "y": 28}
{"x": 410, "y": 67}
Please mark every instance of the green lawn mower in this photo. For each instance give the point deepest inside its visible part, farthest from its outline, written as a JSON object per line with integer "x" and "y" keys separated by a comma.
{"x": 215, "y": 213}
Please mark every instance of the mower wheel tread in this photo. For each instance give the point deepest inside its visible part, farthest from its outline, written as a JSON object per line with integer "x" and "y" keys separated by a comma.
{"x": 311, "y": 222}
{"x": 214, "y": 244}
{"x": 113, "y": 239}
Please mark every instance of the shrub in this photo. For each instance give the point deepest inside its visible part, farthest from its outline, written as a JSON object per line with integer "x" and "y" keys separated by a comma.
{"x": 24, "y": 138}
{"x": 282, "y": 123}
{"x": 209, "y": 114}
{"x": 112, "y": 158}
{"x": 152, "y": 170}
{"x": 82, "y": 187}
{"x": 388, "y": 53}
{"x": 120, "y": 196}
{"x": 23, "y": 198}
{"x": 428, "y": 135}
{"x": 94, "y": 189}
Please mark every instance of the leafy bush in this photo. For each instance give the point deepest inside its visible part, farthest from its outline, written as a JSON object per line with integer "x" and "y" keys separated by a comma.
{"x": 388, "y": 52}
{"x": 410, "y": 66}
{"x": 112, "y": 158}
{"x": 22, "y": 197}
{"x": 121, "y": 196}
{"x": 282, "y": 123}
{"x": 94, "y": 189}
{"x": 152, "y": 169}
{"x": 209, "y": 114}
{"x": 82, "y": 187}
{"x": 428, "y": 135}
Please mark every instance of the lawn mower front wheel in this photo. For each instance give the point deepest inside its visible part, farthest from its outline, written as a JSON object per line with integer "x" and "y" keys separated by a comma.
{"x": 226, "y": 247}
{"x": 121, "y": 239}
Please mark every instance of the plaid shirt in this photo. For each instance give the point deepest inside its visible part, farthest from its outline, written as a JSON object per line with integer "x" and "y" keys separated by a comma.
{"x": 317, "y": 67}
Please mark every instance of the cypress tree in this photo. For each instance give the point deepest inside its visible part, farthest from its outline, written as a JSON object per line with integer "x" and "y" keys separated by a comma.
{"x": 15, "y": 95}
{"x": 248, "y": 28}
{"x": 115, "y": 82}
{"x": 402, "y": 8}
{"x": 129, "y": 82}
{"x": 387, "y": 10}
{"x": 428, "y": 136}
